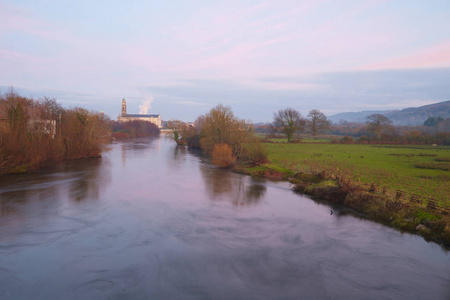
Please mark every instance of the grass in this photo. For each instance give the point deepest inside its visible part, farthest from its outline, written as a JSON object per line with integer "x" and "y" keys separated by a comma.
{"x": 302, "y": 140}
{"x": 390, "y": 167}
{"x": 267, "y": 170}
{"x": 422, "y": 215}
{"x": 434, "y": 165}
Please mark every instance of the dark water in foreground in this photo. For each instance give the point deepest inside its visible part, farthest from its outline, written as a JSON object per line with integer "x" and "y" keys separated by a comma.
{"x": 152, "y": 221}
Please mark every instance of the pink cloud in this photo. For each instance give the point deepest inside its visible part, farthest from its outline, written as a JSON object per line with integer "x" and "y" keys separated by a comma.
{"x": 19, "y": 20}
{"x": 14, "y": 55}
{"x": 437, "y": 56}
{"x": 282, "y": 86}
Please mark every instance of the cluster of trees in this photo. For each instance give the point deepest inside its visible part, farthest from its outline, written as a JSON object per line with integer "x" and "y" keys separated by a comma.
{"x": 289, "y": 121}
{"x": 133, "y": 129}
{"x": 438, "y": 124}
{"x": 410, "y": 137}
{"x": 35, "y": 133}
{"x": 380, "y": 129}
{"x": 228, "y": 139}
{"x": 221, "y": 135}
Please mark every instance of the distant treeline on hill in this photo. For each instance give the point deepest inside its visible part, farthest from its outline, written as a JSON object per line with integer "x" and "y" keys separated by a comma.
{"x": 357, "y": 132}
{"x": 37, "y": 133}
{"x": 435, "y": 130}
{"x": 436, "y": 133}
{"x": 412, "y": 116}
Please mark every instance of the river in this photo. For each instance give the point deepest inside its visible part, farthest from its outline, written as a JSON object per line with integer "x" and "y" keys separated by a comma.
{"x": 151, "y": 220}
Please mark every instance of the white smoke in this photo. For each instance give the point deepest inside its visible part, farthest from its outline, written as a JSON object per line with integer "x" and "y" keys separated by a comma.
{"x": 145, "y": 106}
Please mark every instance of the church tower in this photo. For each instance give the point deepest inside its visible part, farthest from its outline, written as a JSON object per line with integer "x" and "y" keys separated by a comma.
{"x": 124, "y": 107}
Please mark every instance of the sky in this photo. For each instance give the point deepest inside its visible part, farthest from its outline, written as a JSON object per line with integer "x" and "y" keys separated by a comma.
{"x": 185, "y": 57}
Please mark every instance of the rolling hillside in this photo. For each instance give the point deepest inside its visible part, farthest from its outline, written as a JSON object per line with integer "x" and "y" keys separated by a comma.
{"x": 412, "y": 116}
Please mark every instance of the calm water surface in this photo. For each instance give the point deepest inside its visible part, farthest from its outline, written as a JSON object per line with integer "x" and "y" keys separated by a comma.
{"x": 153, "y": 221}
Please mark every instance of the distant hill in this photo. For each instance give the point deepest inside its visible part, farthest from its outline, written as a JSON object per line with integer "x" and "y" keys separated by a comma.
{"x": 359, "y": 117}
{"x": 412, "y": 116}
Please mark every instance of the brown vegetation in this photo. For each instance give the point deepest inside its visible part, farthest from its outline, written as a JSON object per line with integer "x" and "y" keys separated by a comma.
{"x": 254, "y": 153}
{"x": 36, "y": 133}
{"x": 221, "y": 126}
{"x": 191, "y": 134}
{"x": 221, "y": 135}
{"x": 133, "y": 129}
{"x": 394, "y": 135}
{"x": 222, "y": 156}
{"x": 186, "y": 134}
{"x": 82, "y": 133}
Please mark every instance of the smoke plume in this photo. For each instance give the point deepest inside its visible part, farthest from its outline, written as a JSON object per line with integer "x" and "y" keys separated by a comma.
{"x": 145, "y": 106}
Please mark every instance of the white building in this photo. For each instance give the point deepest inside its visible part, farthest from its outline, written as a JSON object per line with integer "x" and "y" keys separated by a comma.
{"x": 124, "y": 117}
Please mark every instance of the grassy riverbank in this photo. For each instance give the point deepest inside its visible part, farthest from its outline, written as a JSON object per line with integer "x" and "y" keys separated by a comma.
{"x": 422, "y": 170}
{"x": 404, "y": 186}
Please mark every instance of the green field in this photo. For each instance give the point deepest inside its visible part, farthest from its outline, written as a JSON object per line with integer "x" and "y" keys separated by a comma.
{"x": 422, "y": 170}
{"x": 303, "y": 140}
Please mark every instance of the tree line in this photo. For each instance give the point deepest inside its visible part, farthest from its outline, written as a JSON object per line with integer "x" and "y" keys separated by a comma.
{"x": 133, "y": 129}
{"x": 380, "y": 129}
{"x": 36, "y": 133}
{"x": 221, "y": 135}
{"x": 228, "y": 139}
{"x": 289, "y": 121}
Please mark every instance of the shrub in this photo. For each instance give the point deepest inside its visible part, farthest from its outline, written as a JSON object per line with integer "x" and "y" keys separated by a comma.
{"x": 26, "y": 134}
{"x": 255, "y": 154}
{"x": 363, "y": 139}
{"x": 176, "y": 126}
{"x": 222, "y": 156}
{"x": 347, "y": 140}
{"x": 83, "y": 132}
{"x": 190, "y": 134}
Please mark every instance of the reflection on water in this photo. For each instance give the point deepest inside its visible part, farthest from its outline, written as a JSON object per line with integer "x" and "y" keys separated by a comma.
{"x": 75, "y": 180}
{"x": 255, "y": 191}
{"x": 178, "y": 158}
{"x": 134, "y": 146}
{"x": 240, "y": 190}
{"x": 93, "y": 176}
{"x": 151, "y": 220}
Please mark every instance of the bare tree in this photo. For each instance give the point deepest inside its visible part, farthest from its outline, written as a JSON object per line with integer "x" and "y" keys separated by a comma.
{"x": 221, "y": 126}
{"x": 288, "y": 121}
{"x": 199, "y": 122}
{"x": 317, "y": 121}
{"x": 51, "y": 109}
{"x": 378, "y": 123}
